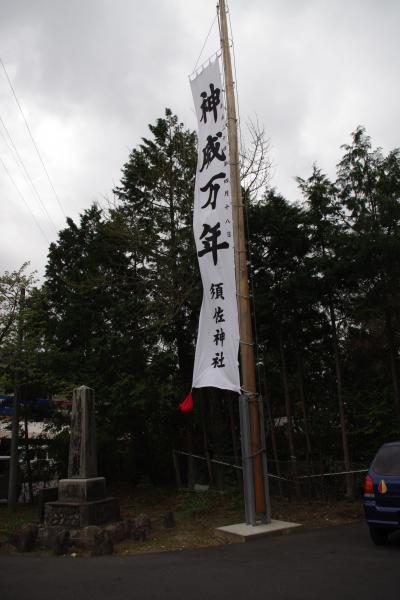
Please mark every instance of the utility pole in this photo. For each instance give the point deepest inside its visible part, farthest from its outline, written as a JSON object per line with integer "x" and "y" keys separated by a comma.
{"x": 248, "y": 366}
{"x": 14, "y": 471}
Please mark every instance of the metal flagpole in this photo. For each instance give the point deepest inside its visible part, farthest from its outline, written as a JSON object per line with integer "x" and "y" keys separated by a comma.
{"x": 255, "y": 483}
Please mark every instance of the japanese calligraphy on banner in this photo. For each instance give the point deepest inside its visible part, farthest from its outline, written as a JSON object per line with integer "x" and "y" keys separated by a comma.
{"x": 216, "y": 361}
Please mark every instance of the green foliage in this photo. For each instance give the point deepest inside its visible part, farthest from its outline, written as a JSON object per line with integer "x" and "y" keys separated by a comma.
{"x": 156, "y": 196}
{"x": 335, "y": 258}
{"x": 12, "y": 312}
{"x": 119, "y": 306}
{"x": 197, "y": 504}
{"x": 9, "y": 522}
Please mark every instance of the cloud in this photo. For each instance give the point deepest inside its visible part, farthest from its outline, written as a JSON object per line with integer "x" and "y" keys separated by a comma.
{"x": 91, "y": 75}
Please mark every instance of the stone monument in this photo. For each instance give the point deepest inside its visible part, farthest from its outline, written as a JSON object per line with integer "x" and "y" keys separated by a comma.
{"x": 82, "y": 497}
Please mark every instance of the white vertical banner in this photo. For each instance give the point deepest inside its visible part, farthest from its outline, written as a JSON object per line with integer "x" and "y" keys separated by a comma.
{"x": 216, "y": 360}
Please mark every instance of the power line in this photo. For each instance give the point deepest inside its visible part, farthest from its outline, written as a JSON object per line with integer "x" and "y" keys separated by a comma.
{"x": 33, "y": 141}
{"x": 23, "y": 200}
{"x": 21, "y": 165}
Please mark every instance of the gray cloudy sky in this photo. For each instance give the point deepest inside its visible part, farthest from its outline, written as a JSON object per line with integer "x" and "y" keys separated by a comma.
{"x": 91, "y": 74}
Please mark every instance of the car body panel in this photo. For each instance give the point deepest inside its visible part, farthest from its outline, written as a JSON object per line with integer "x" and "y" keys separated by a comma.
{"x": 382, "y": 506}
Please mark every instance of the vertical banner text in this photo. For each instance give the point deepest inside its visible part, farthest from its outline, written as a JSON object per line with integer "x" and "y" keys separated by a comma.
{"x": 216, "y": 361}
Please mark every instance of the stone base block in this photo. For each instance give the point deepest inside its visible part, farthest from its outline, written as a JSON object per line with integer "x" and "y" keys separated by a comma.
{"x": 241, "y": 532}
{"x": 74, "y": 515}
{"x": 81, "y": 490}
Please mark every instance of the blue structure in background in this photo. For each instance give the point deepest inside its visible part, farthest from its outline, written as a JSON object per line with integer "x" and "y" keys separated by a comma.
{"x": 6, "y": 404}
{"x": 6, "y": 409}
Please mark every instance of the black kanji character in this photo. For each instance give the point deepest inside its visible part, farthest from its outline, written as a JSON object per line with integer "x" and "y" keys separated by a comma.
{"x": 217, "y": 291}
{"x": 211, "y": 150}
{"x": 210, "y": 103}
{"x": 219, "y": 315}
{"x": 219, "y": 336}
{"x": 214, "y": 188}
{"x": 211, "y": 235}
{"x": 218, "y": 360}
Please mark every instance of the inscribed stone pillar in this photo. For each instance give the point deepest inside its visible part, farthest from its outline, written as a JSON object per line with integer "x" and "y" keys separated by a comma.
{"x": 82, "y": 498}
{"x": 82, "y": 463}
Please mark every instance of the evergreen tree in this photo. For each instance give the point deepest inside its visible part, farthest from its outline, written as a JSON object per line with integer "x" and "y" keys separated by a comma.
{"x": 369, "y": 188}
{"x": 278, "y": 245}
{"x": 96, "y": 330}
{"x": 11, "y": 286}
{"x": 156, "y": 202}
{"x": 329, "y": 265}
{"x": 122, "y": 293}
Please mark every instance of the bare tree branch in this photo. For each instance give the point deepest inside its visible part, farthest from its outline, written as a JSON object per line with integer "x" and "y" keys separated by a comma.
{"x": 256, "y": 164}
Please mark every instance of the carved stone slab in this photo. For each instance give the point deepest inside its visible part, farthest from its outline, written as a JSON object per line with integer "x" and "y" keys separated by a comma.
{"x": 82, "y": 497}
{"x": 74, "y": 515}
{"x": 82, "y": 461}
{"x": 80, "y": 490}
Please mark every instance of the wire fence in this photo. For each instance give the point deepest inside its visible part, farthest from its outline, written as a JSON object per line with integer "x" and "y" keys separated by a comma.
{"x": 313, "y": 480}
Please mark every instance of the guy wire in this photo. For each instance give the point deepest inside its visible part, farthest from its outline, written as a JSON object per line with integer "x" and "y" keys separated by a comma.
{"x": 251, "y": 277}
{"x": 205, "y": 42}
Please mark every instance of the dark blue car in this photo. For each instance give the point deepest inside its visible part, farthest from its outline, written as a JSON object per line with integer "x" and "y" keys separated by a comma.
{"x": 382, "y": 493}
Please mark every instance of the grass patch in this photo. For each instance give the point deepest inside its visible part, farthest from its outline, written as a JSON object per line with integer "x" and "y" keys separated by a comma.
{"x": 191, "y": 503}
{"x": 9, "y": 522}
{"x": 197, "y": 514}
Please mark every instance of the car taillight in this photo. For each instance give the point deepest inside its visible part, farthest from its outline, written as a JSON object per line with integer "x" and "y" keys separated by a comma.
{"x": 368, "y": 485}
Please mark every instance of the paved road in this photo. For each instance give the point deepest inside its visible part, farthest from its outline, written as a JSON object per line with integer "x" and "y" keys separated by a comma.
{"x": 338, "y": 563}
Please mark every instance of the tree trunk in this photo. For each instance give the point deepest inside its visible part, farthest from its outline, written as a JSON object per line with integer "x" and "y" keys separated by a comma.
{"x": 339, "y": 391}
{"x": 217, "y": 421}
{"x": 300, "y": 378}
{"x": 289, "y": 417}
{"x": 27, "y": 457}
{"x": 392, "y": 359}
{"x": 206, "y": 445}
{"x": 14, "y": 465}
{"x": 235, "y": 447}
{"x": 271, "y": 426}
{"x": 177, "y": 469}
{"x": 182, "y": 345}
{"x": 190, "y": 463}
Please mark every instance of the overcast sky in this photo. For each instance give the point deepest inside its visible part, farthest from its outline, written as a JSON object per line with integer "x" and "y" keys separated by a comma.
{"x": 91, "y": 74}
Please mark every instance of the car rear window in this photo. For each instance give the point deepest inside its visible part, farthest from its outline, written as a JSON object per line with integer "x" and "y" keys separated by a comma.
{"x": 387, "y": 461}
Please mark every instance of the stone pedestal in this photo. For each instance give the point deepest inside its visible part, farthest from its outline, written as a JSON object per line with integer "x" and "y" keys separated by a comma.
{"x": 81, "y": 490}
{"x": 74, "y": 515}
{"x": 82, "y": 497}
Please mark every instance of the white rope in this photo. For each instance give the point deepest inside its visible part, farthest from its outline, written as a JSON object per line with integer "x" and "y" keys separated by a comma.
{"x": 220, "y": 462}
{"x": 205, "y": 42}
{"x": 216, "y": 54}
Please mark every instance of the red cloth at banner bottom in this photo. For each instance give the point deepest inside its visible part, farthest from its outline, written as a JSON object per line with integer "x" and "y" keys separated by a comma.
{"x": 187, "y": 404}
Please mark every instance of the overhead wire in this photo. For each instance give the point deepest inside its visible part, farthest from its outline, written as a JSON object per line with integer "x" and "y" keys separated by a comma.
{"x": 21, "y": 165}
{"x": 32, "y": 138}
{"x": 23, "y": 199}
{"x": 236, "y": 86}
{"x": 251, "y": 276}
